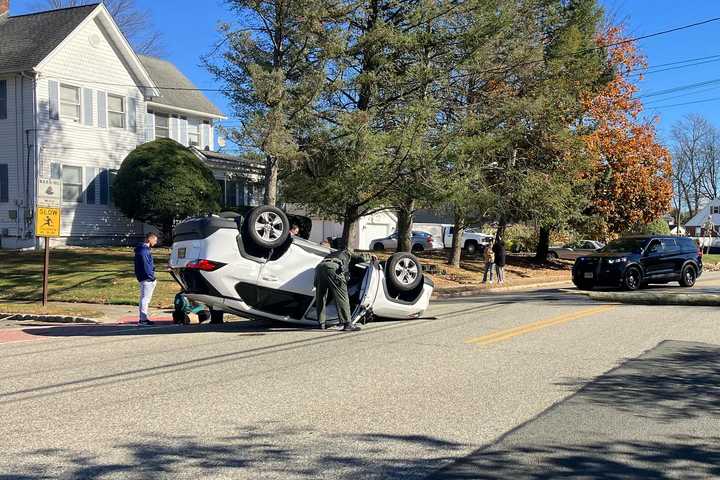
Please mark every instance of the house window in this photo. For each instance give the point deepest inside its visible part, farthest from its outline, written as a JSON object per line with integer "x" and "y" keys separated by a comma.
{"x": 715, "y": 210}
{"x": 70, "y": 102}
{"x": 162, "y": 125}
{"x": 193, "y": 133}
{"x": 72, "y": 184}
{"x": 116, "y": 111}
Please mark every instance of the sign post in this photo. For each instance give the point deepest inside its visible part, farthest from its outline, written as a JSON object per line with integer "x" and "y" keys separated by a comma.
{"x": 47, "y": 222}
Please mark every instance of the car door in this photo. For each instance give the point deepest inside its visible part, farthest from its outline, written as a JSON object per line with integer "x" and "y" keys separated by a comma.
{"x": 653, "y": 260}
{"x": 673, "y": 258}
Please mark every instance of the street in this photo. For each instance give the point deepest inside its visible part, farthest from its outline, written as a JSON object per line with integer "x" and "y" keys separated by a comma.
{"x": 540, "y": 384}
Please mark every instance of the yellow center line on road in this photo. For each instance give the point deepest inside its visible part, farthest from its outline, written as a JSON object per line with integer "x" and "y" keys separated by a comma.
{"x": 540, "y": 324}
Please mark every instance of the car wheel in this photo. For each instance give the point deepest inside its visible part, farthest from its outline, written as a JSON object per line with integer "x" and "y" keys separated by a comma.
{"x": 688, "y": 276}
{"x": 378, "y": 247}
{"x": 584, "y": 285}
{"x": 267, "y": 226}
{"x": 633, "y": 278}
{"x": 471, "y": 248}
{"x": 216, "y": 316}
{"x": 552, "y": 256}
{"x": 403, "y": 271}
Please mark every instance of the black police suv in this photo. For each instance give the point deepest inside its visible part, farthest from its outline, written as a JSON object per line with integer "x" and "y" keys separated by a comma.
{"x": 632, "y": 262}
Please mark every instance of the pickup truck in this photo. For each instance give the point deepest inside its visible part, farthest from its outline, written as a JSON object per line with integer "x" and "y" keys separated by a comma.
{"x": 473, "y": 240}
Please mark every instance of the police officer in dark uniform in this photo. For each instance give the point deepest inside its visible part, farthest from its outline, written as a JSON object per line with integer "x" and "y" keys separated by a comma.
{"x": 331, "y": 277}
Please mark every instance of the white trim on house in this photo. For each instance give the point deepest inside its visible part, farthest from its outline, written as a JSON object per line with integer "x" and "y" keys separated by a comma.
{"x": 187, "y": 111}
{"x": 146, "y": 83}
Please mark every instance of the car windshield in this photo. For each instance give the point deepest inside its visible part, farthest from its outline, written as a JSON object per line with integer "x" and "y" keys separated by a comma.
{"x": 622, "y": 245}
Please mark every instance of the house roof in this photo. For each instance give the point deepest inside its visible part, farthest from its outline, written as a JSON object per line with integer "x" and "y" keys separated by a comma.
{"x": 228, "y": 162}
{"x": 701, "y": 217}
{"x": 25, "y": 40}
{"x": 184, "y": 93}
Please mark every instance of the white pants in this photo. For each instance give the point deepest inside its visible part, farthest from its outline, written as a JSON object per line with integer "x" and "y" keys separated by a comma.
{"x": 146, "y": 292}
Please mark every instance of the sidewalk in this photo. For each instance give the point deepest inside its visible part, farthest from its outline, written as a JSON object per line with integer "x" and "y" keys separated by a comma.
{"x": 68, "y": 312}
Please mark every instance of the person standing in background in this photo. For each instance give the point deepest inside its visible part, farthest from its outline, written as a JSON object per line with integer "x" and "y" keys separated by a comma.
{"x": 499, "y": 251}
{"x": 145, "y": 274}
{"x": 489, "y": 257}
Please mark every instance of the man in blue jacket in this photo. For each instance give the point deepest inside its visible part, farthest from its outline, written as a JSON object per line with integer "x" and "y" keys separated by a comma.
{"x": 145, "y": 274}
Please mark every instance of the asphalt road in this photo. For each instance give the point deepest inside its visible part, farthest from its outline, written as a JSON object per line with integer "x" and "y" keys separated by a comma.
{"x": 543, "y": 384}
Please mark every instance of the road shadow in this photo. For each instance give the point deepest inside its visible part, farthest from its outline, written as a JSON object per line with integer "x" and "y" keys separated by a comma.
{"x": 265, "y": 451}
{"x": 673, "y": 384}
{"x": 654, "y": 417}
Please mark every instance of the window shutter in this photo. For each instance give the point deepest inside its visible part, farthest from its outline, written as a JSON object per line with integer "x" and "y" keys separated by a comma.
{"x": 3, "y": 99}
{"x": 54, "y": 99}
{"x": 174, "y": 128}
{"x": 183, "y": 131}
{"x": 104, "y": 186}
{"x": 203, "y": 137}
{"x": 132, "y": 114}
{"x": 87, "y": 106}
{"x": 149, "y": 127}
{"x": 4, "y": 194}
{"x": 102, "y": 109}
{"x": 90, "y": 191}
{"x": 210, "y": 137}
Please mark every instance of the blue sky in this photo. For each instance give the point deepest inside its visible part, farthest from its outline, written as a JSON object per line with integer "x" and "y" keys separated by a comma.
{"x": 190, "y": 29}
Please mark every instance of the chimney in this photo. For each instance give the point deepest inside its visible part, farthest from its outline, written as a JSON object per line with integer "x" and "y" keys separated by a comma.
{"x": 4, "y": 8}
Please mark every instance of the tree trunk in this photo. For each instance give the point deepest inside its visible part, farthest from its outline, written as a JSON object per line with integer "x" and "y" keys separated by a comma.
{"x": 271, "y": 175}
{"x": 458, "y": 231}
{"x": 501, "y": 230}
{"x": 349, "y": 226}
{"x": 543, "y": 244}
{"x": 405, "y": 222}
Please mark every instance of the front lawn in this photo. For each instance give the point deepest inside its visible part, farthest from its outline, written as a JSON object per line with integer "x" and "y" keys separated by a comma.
{"x": 92, "y": 275}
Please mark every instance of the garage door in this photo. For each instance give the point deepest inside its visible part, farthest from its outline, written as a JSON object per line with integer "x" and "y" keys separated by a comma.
{"x": 373, "y": 231}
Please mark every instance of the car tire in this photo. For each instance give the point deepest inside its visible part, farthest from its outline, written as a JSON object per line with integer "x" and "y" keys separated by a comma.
{"x": 552, "y": 256}
{"x": 688, "y": 276}
{"x": 632, "y": 280}
{"x": 216, "y": 316}
{"x": 471, "y": 248}
{"x": 584, "y": 286}
{"x": 403, "y": 272}
{"x": 378, "y": 247}
{"x": 267, "y": 227}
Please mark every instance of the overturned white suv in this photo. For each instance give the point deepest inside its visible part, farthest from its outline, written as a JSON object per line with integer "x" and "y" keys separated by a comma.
{"x": 251, "y": 267}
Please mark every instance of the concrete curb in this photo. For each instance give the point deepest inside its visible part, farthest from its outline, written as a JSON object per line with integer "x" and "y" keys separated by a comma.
{"x": 646, "y": 298}
{"x": 46, "y": 318}
{"x": 475, "y": 291}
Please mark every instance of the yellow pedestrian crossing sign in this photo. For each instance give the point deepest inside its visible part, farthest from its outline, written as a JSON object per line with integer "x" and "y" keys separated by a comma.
{"x": 47, "y": 222}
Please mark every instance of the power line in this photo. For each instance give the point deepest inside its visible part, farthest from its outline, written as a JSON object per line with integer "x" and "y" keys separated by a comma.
{"x": 680, "y": 88}
{"x": 705, "y": 100}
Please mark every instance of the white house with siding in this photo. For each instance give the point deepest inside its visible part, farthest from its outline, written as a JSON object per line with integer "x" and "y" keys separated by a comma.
{"x": 75, "y": 99}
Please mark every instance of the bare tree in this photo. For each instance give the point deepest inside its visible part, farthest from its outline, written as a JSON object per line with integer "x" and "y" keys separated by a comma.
{"x": 695, "y": 162}
{"x": 134, "y": 22}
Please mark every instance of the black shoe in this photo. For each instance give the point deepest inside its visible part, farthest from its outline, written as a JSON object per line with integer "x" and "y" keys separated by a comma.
{"x": 146, "y": 323}
{"x": 350, "y": 327}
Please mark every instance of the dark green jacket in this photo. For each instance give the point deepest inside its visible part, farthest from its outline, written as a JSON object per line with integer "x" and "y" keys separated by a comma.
{"x": 345, "y": 260}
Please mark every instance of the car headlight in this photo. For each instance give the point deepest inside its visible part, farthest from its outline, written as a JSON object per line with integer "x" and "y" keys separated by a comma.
{"x": 617, "y": 260}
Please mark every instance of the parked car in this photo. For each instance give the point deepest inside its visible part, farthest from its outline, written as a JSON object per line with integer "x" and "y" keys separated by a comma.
{"x": 573, "y": 250}
{"x": 632, "y": 262}
{"x": 473, "y": 239}
{"x": 420, "y": 241}
{"x": 250, "y": 266}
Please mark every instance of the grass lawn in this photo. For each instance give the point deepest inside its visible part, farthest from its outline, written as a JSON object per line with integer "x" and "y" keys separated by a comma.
{"x": 93, "y": 275}
{"x": 711, "y": 258}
